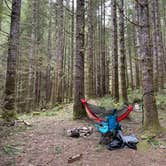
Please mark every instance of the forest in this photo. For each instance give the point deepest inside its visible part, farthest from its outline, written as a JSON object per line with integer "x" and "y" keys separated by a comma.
{"x": 59, "y": 58}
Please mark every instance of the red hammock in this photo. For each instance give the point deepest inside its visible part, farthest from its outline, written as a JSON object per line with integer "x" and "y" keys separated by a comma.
{"x": 99, "y": 120}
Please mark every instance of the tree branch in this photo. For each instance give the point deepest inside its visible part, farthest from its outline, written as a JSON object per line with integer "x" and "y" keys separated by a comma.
{"x": 7, "y": 5}
{"x": 128, "y": 19}
{"x": 4, "y": 32}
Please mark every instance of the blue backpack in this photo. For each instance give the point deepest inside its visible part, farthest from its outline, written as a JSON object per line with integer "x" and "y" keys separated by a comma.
{"x": 110, "y": 125}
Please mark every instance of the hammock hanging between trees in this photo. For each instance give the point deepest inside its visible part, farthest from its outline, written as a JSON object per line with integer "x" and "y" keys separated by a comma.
{"x": 110, "y": 127}
{"x": 113, "y": 117}
{"x": 93, "y": 111}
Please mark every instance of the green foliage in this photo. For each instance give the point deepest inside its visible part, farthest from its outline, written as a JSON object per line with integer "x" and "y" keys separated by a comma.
{"x": 58, "y": 150}
{"x": 36, "y": 113}
{"x": 154, "y": 142}
{"x": 53, "y": 111}
{"x": 143, "y": 146}
{"x": 50, "y": 113}
{"x": 135, "y": 95}
{"x": 9, "y": 115}
{"x": 106, "y": 101}
{"x": 11, "y": 150}
{"x": 109, "y": 102}
{"x": 57, "y": 108}
{"x": 161, "y": 101}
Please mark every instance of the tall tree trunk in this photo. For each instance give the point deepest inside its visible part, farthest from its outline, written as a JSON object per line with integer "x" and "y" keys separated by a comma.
{"x": 1, "y": 13}
{"x": 135, "y": 51}
{"x": 138, "y": 42}
{"x": 38, "y": 87}
{"x": 95, "y": 54}
{"x": 115, "y": 77}
{"x": 137, "y": 79}
{"x": 98, "y": 58}
{"x": 127, "y": 74}
{"x": 130, "y": 64}
{"x": 72, "y": 53}
{"x": 107, "y": 72}
{"x": 55, "y": 75}
{"x": 90, "y": 48}
{"x": 64, "y": 85}
{"x": 164, "y": 36}
{"x": 151, "y": 120}
{"x": 78, "y": 109}
{"x": 67, "y": 55}
{"x": 31, "y": 76}
{"x": 154, "y": 43}
{"x": 60, "y": 50}
{"x": 48, "y": 70}
{"x": 103, "y": 54}
{"x": 160, "y": 46}
{"x": 13, "y": 52}
{"x": 122, "y": 52}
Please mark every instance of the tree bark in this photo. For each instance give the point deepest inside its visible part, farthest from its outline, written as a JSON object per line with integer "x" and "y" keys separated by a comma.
{"x": 151, "y": 120}
{"x": 1, "y": 12}
{"x": 136, "y": 51}
{"x": 160, "y": 47}
{"x": 115, "y": 77}
{"x": 48, "y": 70}
{"x": 103, "y": 51}
{"x": 55, "y": 75}
{"x": 98, "y": 58}
{"x": 130, "y": 64}
{"x": 122, "y": 52}
{"x": 138, "y": 44}
{"x": 60, "y": 50}
{"x": 78, "y": 109}
{"x": 154, "y": 44}
{"x": 31, "y": 76}
{"x": 90, "y": 49}
{"x": 72, "y": 53}
{"x": 13, "y": 52}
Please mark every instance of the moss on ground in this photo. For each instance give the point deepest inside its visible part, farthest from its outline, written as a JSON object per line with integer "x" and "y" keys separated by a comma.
{"x": 9, "y": 115}
{"x": 143, "y": 146}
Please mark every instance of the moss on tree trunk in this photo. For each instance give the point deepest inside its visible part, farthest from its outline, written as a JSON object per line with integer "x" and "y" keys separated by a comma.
{"x": 78, "y": 109}
{"x": 9, "y": 113}
{"x": 151, "y": 121}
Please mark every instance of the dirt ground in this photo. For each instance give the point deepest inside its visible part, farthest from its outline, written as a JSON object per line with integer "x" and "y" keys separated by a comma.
{"x": 45, "y": 143}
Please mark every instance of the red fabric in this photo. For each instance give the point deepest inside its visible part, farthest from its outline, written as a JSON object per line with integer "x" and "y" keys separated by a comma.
{"x": 96, "y": 118}
{"x": 99, "y": 120}
{"x": 129, "y": 109}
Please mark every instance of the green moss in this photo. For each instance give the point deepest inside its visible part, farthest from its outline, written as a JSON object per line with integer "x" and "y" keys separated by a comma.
{"x": 58, "y": 150}
{"x": 154, "y": 142}
{"x": 99, "y": 147}
{"x": 152, "y": 130}
{"x": 54, "y": 111}
{"x": 143, "y": 146}
{"x": 36, "y": 113}
{"x": 79, "y": 115}
{"x": 50, "y": 113}
{"x": 161, "y": 101}
{"x": 57, "y": 108}
{"x": 11, "y": 150}
{"x": 147, "y": 136}
{"x": 9, "y": 115}
{"x": 109, "y": 102}
{"x": 135, "y": 96}
{"x": 79, "y": 111}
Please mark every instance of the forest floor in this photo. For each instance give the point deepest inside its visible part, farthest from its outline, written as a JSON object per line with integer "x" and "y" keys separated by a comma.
{"x": 45, "y": 143}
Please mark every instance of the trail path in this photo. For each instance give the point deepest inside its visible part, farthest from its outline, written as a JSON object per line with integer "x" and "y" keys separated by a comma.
{"x": 46, "y": 144}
